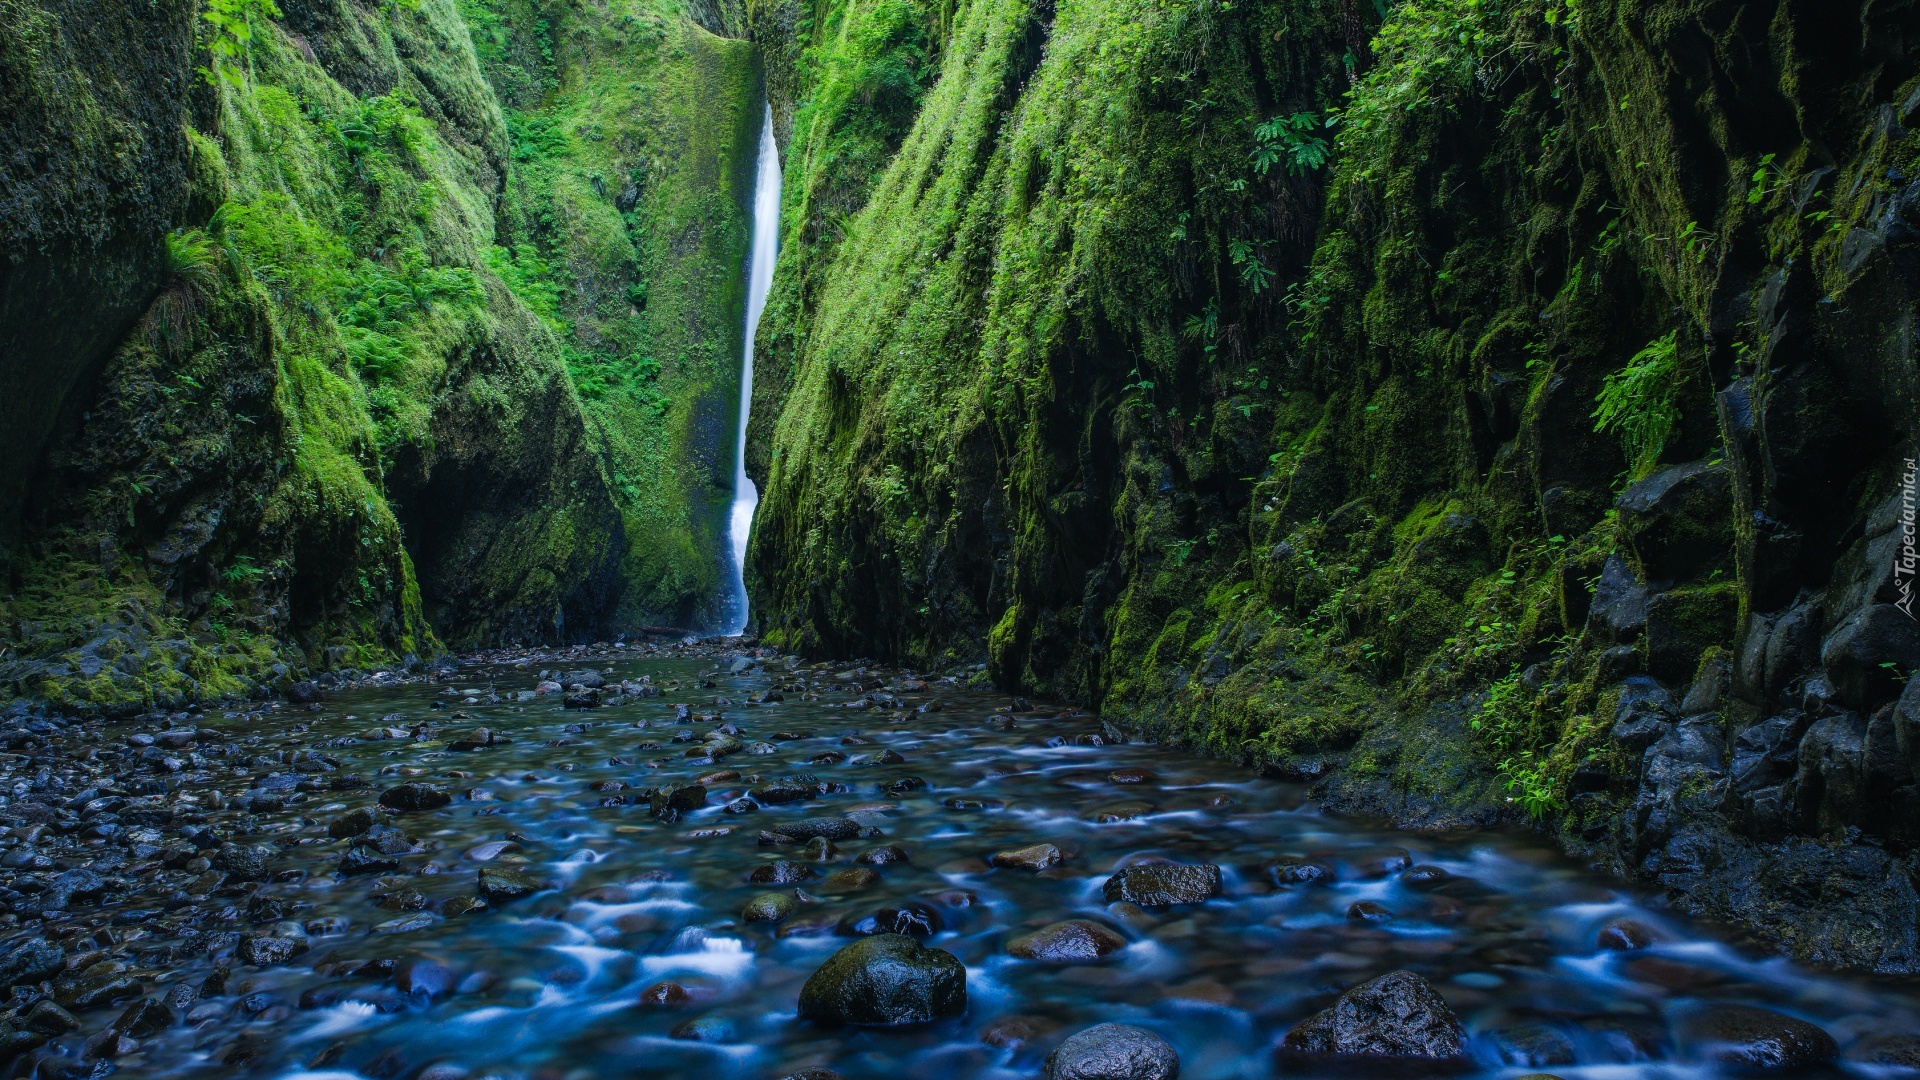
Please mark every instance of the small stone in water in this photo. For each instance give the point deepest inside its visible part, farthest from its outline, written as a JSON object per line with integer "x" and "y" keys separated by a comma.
{"x": 1113, "y": 1052}
{"x": 704, "y": 1029}
{"x": 414, "y": 797}
{"x": 768, "y": 907}
{"x": 498, "y": 884}
{"x": 780, "y": 872}
{"x": 914, "y": 918}
{"x": 678, "y": 798}
{"x": 820, "y": 849}
{"x": 1531, "y": 1046}
{"x": 1369, "y": 911}
{"x": 1156, "y": 886}
{"x": 1383, "y": 864}
{"x": 851, "y": 879}
{"x": 491, "y": 850}
{"x": 405, "y": 924}
{"x": 1011, "y": 1033}
{"x": 882, "y": 856}
{"x": 832, "y": 828}
{"x": 353, "y": 823}
{"x": 1289, "y": 872}
{"x": 1131, "y": 776}
{"x": 1745, "y": 1036}
{"x": 361, "y": 859}
{"x": 48, "y": 1018}
{"x": 1075, "y": 941}
{"x": 1425, "y": 877}
{"x": 1035, "y": 857}
{"x": 666, "y": 995}
{"x": 1625, "y": 935}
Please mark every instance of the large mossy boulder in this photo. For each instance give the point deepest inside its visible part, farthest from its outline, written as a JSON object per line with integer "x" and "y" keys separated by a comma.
{"x": 885, "y": 980}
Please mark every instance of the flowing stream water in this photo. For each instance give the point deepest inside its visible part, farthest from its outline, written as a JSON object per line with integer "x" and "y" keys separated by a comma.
{"x": 635, "y": 958}
{"x": 766, "y": 246}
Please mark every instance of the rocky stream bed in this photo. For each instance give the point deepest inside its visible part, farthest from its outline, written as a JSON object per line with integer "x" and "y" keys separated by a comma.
{"x": 692, "y": 861}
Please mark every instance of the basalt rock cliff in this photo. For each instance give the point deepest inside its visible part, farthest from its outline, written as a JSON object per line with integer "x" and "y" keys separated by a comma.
{"x": 1487, "y": 410}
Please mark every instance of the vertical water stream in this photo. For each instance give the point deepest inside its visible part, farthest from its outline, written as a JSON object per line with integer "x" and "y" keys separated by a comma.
{"x": 766, "y": 239}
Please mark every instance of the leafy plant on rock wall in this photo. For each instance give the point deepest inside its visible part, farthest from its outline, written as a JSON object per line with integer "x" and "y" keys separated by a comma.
{"x": 233, "y": 24}
{"x": 1293, "y": 140}
{"x": 1638, "y": 402}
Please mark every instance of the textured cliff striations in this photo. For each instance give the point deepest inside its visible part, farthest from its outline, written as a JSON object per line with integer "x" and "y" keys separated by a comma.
{"x": 1495, "y": 412}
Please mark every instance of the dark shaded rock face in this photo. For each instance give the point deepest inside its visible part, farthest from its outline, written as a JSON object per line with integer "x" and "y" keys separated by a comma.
{"x": 95, "y": 108}
{"x": 886, "y": 979}
{"x": 1398, "y": 1015}
{"x": 1113, "y": 1052}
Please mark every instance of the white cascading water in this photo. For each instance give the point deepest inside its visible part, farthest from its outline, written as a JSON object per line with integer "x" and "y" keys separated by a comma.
{"x": 766, "y": 242}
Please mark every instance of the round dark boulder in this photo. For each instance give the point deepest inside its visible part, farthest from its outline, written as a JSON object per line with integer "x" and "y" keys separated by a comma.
{"x": 1755, "y": 1038}
{"x": 1398, "y": 1015}
{"x": 885, "y": 979}
{"x": 1113, "y": 1052}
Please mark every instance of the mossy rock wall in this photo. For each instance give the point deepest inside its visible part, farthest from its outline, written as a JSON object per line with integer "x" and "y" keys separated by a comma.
{"x": 1301, "y": 464}
{"x": 636, "y": 129}
{"x": 358, "y": 414}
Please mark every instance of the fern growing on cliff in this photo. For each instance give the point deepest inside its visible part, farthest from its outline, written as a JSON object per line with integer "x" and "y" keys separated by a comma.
{"x": 1294, "y": 140}
{"x": 189, "y": 272}
{"x": 1637, "y": 402}
{"x": 232, "y": 24}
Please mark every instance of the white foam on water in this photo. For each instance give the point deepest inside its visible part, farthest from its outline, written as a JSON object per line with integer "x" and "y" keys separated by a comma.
{"x": 723, "y": 957}
{"x": 346, "y": 1016}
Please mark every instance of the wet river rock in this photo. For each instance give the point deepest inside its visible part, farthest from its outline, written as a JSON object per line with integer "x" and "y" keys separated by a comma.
{"x": 832, "y": 828}
{"x": 499, "y": 884}
{"x": 886, "y": 979}
{"x": 1742, "y": 1035}
{"x": 1034, "y": 857}
{"x": 1161, "y": 885}
{"x": 768, "y": 907}
{"x": 1075, "y": 941}
{"x": 1113, "y": 1052}
{"x": 408, "y": 797}
{"x": 1398, "y": 1015}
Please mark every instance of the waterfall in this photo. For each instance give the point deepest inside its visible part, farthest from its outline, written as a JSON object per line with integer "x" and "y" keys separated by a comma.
{"x": 766, "y": 240}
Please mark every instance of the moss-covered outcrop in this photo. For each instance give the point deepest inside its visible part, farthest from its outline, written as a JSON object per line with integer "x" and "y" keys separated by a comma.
{"x": 368, "y": 373}
{"x": 1522, "y": 461}
{"x": 625, "y": 220}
